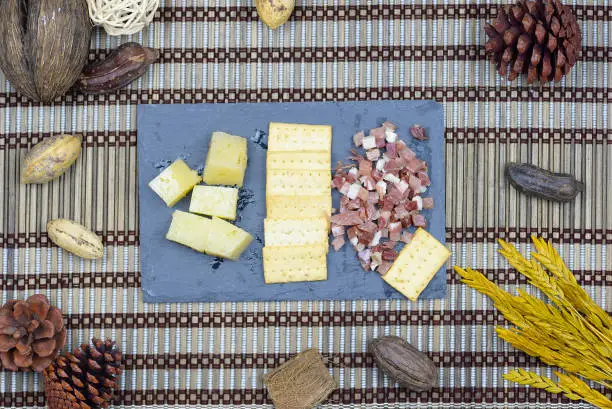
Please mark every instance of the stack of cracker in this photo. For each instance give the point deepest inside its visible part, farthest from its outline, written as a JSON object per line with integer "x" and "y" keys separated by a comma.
{"x": 298, "y": 203}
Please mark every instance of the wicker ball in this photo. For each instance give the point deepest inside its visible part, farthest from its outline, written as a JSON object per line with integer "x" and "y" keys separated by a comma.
{"x": 122, "y": 16}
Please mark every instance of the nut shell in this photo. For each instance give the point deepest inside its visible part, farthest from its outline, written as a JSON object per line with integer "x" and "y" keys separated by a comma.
{"x": 50, "y": 158}
{"x": 75, "y": 238}
{"x": 404, "y": 363}
{"x": 274, "y": 13}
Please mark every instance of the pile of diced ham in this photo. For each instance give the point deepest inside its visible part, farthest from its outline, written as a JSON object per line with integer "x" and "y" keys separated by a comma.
{"x": 381, "y": 195}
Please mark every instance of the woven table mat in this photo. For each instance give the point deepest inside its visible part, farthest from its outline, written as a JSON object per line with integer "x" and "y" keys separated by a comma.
{"x": 214, "y": 355}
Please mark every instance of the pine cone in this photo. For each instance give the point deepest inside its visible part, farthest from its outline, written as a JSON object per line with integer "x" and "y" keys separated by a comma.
{"x": 31, "y": 334}
{"x": 540, "y": 38}
{"x": 85, "y": 379}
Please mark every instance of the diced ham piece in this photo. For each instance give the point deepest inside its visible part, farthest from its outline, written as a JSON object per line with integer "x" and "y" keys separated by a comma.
{"x": 364, "y": 265}
{"x": 428, "y": 203}
{"x": 373, "y": 154}
{"x": 365, "y": 255}
{"x": 380, "y": 141}
{"x": 402, "y": 186}
{"x": 368, "y": 182}
{"x": 385, "y": 214}
{"x": 369, "y": 142}
{"x": 418, "y": 132}
{"x": 407, "y": 154}
{"x": 389, "y": 255}
{"x": 406, "y": 237}
{"x": 414, "y": 165}
{"x": 393, "y": 165}
{"x": 389, "y": 125}
{"x": 376, "y": 259}
{"x": 382, "y": 223}
{"x": 358, "y": 138}
{"x": 354, "y": 204}
{"x": 412, "y": 205}
{"x": 376, "y": 239}
{"x": 401, "y": 212}
{"x": 391, "y": 150}
{"x": 371, "y": 212}
{"x": 365, "y": 168}
{"x": 424, "y": 178}
{"x": 353, "y": 191}
{"x": 389, "y": 245}
{"x": 365, "y": 237}
{"x": 384, "y": 267}
{"x": 350, "y": 218}
{"x": 381, "y": 189}
{"x": 414, "y": 183}
{"x": 377, "y": 175}
{"x": 338, "y": 243}
{"x": 345, "y": 188}
{"x": 337, "y": 231}
{"x": 384, "y": 233}
{"x": 351, "y": 175}
{"x": 338, "y": 182}
{"x": 394, "y": 196}
{"x": 363, "y": 194}
{"x": 395, "y": 230}
{"x": 373, "y": 197}
{"x": 419, "y": 220}
{"x": 368, "y": 226}
{"x": 362, "y": 213}
{"x": 378, "y": 132}
{"x": 390, "y": 136}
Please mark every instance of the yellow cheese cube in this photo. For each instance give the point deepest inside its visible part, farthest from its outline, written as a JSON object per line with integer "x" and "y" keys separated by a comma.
{"x": 288, "y": 264}
{"x": 298, "y": 183}
{"x": 175, "y": 182}
{"x": 287, "y": 207}
{"x": 299, "y": 160}
{"x": 189, "y": 230}
{"x": 416, "y": 264}
{"x": 226, "y": 240}
{"x": 226, "y": 160}
{"x": 299, "y": 137}
{"x": 296, "y": 232}
{"x": 214, "y": 201}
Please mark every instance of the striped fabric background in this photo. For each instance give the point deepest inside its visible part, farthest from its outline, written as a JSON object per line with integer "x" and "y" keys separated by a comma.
{"x": 214, "y": 355}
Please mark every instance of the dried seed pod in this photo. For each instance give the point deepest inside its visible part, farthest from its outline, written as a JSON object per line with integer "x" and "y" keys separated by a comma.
{"x": 125, "y": 64}
{"x": 75, "y": 238}
{"x": 535, "y": 181}
{"x": 43, "y": 45}
{"x": 50, "y": 158}
{"x": 404, "y": 363}
{"x": 274, "y": 13}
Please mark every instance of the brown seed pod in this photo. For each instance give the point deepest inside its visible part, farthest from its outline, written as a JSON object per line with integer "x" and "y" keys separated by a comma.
{"x": 125, "y": 64}
{"x": 43, "y": 45}
{"x": 404, "y": 363}
{"x": 534, "y": 181}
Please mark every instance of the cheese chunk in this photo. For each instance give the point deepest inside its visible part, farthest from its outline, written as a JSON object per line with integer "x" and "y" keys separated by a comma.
{"x": 295, "y": 232}
{"x": 214, "y": 201}
{"x": 226, "y": 240}
{"x": 189, "y": 230}
{"x": 299, "y": 160}
{"x": 416, "y": 264}
{"x": 299, "y": 137}
{"x": 175, "y": 182}
{"x": 298, "y": 182}
{"x": 288, "y": 207}
{"x": 226, "y": 161}
{"x": 289, "y": 264}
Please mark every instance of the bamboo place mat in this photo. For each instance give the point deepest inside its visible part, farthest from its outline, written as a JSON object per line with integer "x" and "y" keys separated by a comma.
{"x": 214, "y": 355}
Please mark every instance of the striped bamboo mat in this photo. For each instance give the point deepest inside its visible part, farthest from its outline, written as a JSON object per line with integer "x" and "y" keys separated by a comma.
{"x": 214, "y": 355}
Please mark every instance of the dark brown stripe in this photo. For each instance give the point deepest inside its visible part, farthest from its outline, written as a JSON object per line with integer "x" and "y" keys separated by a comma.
{"x": 456, "y": 235}
{"x": 360, "y": 12}
{"x": 55, "y": 281}
{"x": 587, "y": 136}
{"x": 337, "y": 360}
{"x": 250, "y": 55}
{"x": 139, "y": 397}
{"x": 481, "y": 94}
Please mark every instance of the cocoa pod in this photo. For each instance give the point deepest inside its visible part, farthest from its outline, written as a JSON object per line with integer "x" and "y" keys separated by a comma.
{"x": 122, "y": 66}
{"x": 50, "y": 158}
{"x": 75, "y": 238}
{"x": 535, "y": 181}
{"x": 404, "y": 363}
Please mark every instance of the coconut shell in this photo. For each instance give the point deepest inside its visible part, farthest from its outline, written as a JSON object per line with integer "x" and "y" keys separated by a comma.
{"x": 44, "y": 45}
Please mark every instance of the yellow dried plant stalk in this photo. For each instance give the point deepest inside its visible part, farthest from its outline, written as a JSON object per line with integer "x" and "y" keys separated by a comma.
{"x": 572, "y": 332}
{"x": 569, "y": 385}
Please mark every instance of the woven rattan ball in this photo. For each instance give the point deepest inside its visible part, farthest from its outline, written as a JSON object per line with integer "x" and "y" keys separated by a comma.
{"x": 122, "y": 16}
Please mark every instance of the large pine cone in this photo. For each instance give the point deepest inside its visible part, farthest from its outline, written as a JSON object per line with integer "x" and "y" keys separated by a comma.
{"x": 31, "y": 334}
{"x": 85, "y": 379}
{"x": 540, "y": 38}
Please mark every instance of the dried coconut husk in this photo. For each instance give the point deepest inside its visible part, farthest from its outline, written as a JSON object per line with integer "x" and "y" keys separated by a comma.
{"x": 300, "y": 383}
{"x": 44, "y": 45}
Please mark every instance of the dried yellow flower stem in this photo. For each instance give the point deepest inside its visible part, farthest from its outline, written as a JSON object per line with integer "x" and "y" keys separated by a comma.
{"x": 573, "y": 333}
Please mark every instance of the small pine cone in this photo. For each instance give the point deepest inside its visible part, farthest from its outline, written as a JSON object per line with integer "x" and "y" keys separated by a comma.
{"x": 540, "y": 38}
{"x": 31, "y": 334}
{"x": 86, "y": 379}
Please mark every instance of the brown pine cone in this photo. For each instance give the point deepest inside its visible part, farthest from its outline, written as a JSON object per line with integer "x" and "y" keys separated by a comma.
{"x": 85, "y": 379}
{"x": 31, "y": 334}
{"x": 540, "y": 38}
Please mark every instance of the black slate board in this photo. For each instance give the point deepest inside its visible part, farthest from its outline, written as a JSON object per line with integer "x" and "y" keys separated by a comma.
{"x": 173, "y": 273}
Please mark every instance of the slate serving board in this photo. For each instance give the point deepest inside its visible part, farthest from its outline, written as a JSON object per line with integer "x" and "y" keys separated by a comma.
{"x": 173, "y": 273}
